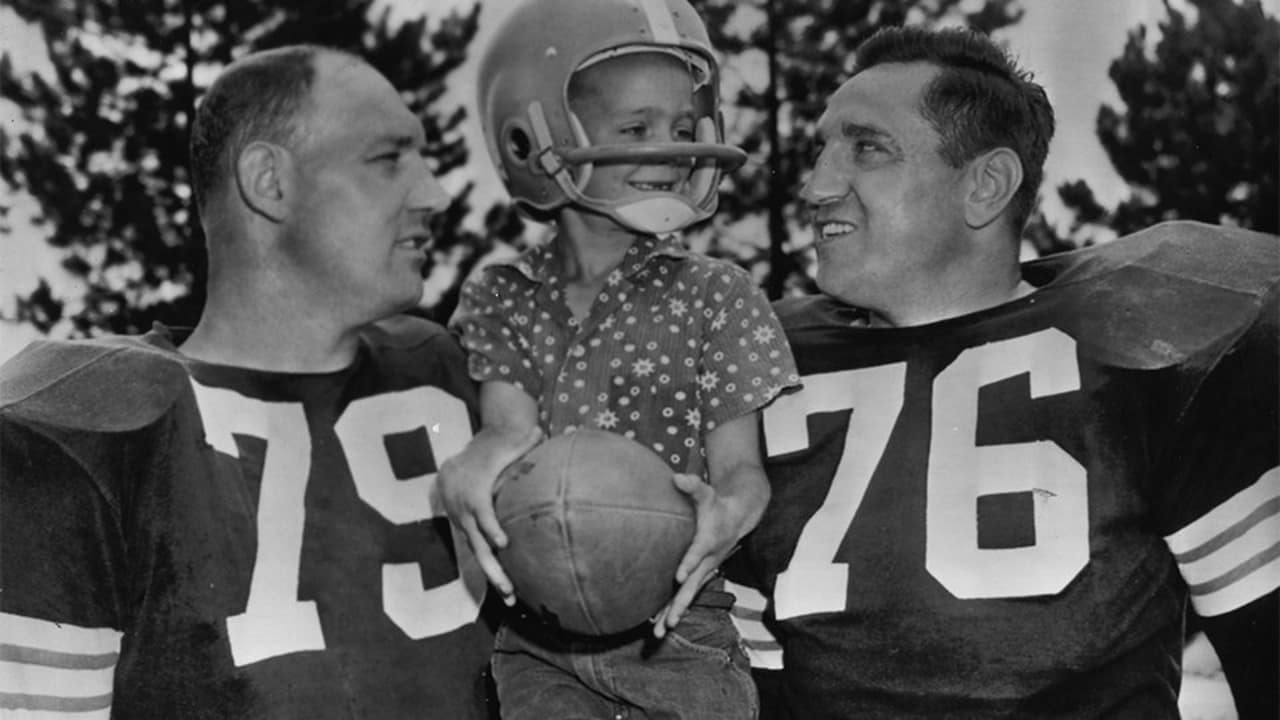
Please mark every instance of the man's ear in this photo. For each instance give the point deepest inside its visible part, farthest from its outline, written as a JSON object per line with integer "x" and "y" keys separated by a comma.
{"x": 994, "y": 178}
{"x": 264, "y": 179}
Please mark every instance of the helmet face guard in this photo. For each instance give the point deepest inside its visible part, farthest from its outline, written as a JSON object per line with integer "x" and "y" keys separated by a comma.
{"x": 537, "y": 143}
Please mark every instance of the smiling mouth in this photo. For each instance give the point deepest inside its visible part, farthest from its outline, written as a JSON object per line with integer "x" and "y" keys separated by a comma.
{"x": 654, "y": 186}
{"x": 831, "y": 229}
{"x": 415, "y": 242}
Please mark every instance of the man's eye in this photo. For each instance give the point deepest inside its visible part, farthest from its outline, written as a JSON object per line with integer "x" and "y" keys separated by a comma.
{"x": 863, "y": 147}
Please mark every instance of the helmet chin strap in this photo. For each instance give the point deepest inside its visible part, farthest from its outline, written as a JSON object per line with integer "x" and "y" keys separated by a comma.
{"x": 658, "y": 215}
{"x": 655, "y": 214}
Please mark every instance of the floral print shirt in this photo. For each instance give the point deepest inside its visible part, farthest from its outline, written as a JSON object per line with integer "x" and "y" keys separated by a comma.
{"x": 674, "y": 345}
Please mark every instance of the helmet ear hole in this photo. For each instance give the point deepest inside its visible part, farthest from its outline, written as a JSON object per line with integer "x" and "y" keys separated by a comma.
{"x": 517, "y": 143}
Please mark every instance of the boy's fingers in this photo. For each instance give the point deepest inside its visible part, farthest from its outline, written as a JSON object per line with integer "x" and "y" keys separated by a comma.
{"x": 679, "y": 603}
{"x": 692, "y": 558}
{"x": 701, "y": 550}
{"x": 705, "y": 572}
{"x": 660, "y": 621}
{"x": 703, "y": 497}
{"x": 670, "y": 615}
{"x": 487, "y": 520}
{"x": 488, "y": 562}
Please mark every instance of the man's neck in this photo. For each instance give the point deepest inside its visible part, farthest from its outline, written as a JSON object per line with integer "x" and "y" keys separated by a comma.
{"x": 966, "y": 300}
{"x": 264, "y": 336}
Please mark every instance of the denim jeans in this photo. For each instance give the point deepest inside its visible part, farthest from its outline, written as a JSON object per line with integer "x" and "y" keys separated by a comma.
{"x": 699, "y": 671}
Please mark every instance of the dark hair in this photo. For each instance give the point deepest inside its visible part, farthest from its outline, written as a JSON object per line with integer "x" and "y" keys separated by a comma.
{"x": 261, "y": 96}
{"x": 979, "y": 101}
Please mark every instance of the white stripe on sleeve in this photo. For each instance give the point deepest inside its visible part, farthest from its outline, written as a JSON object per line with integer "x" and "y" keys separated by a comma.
{"x": 1231, "y": 555}
{"x": 56, "y": 670}
{"x": 763, "y": 649}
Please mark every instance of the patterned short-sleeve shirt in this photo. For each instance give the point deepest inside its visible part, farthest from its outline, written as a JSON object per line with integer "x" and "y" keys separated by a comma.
{"x": 674, "y": 345}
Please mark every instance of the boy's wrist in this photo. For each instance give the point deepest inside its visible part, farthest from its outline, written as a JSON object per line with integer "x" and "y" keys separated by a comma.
{"x": 749, "y": 497}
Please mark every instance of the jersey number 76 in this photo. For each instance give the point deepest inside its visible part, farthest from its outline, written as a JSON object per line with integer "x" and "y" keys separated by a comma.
{"x": 959, "y": 472}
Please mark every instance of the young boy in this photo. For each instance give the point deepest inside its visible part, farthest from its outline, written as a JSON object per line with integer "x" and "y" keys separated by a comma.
{"x": 602, "y": 116}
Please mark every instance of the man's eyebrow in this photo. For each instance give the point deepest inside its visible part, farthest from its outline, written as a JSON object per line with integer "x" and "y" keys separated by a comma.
{"x": 397, "y": 141}
{"x": 851, "y": 130}
{"x": 860, "y": 131}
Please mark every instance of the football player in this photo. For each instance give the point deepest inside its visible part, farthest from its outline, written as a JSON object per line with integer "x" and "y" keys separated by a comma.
{"x": 241, "y": 520}
{"x": 1002, "y": 484}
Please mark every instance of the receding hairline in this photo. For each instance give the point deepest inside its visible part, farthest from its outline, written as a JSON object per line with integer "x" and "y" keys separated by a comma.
{"x": 321, "y": 62}
{"x": 324, "y": 62}
{"x": 313, "y": 53}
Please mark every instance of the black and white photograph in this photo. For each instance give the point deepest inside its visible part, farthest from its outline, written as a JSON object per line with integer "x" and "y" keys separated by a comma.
{"x": 639, "y": 359}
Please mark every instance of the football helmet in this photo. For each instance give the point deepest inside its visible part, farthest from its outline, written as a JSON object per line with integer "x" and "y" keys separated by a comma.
{"x": 540, "y": 149}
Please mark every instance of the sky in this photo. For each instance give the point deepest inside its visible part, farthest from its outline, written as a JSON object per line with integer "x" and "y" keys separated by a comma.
{"x": 1067, "y": 44}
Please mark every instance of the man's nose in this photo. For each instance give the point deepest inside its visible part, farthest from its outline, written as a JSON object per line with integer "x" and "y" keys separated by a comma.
{"x": 826, "y": 183}
{"x": 428, "y": 195}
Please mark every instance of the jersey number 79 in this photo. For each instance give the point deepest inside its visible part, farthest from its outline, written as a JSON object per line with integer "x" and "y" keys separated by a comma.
{"x": 275, "y": 621}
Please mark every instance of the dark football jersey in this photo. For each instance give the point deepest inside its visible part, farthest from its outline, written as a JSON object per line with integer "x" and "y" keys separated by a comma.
{"x": 1003, "y": 514}
{"x": 185, "y": 540}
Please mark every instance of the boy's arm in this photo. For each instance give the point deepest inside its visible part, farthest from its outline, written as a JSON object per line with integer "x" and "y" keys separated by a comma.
{"x": 727, "y": 509}
{"x": 509, "y": 429}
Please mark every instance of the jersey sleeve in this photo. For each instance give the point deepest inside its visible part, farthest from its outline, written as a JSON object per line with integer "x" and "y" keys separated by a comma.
{"x": 746, "y": 361}
{"x": 63, "y": 575}
{"x": 74, "y": 417}
{"x": 1221, "y": 518}
{"x": 1220, "y": 512}
{"x": 497, "y": 348}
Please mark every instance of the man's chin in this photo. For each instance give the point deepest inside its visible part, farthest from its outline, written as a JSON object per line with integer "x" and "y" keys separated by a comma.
{"x": 403, "y": 294}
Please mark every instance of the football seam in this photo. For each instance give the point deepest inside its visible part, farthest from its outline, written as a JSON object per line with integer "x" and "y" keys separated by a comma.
{"x": 566, "y": 536}
{"x": 564, "y": 508}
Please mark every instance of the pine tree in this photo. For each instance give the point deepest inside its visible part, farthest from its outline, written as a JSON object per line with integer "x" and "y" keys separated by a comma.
{"x": 1197, "y": 136}
{"x": 803, "y": 48}
{"x": 106, "y": 156}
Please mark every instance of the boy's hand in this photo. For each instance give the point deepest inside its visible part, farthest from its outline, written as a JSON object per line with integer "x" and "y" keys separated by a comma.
{"x": 726, "y": 509}
{"x": 721, "y": 523}
{"x": 467, "y": 483}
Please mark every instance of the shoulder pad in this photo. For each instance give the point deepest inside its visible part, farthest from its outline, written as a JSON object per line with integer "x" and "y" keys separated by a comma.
{"x": 1156, "y": 297}
{"x": 111, "y": 385}
{"x": 1232, "y": 259}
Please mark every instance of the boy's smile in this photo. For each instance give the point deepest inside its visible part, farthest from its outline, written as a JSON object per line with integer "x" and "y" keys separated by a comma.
{"x": 636, "y": 99}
